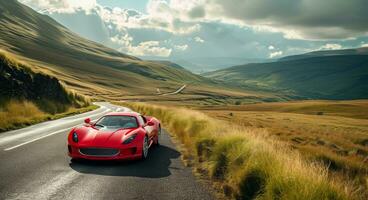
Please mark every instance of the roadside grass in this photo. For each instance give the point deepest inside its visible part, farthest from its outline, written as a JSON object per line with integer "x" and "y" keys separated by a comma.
{"x": 246, "y": 162}
{"x": 337, "y": 138}
{"x": 18, "y": 114}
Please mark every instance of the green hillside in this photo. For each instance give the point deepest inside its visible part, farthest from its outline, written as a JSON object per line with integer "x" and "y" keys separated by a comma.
{"x": 326, "y": 77}
{"x": 84, "y": 65}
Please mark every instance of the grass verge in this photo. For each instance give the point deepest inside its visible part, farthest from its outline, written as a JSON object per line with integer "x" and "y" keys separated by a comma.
{"x": 246, "y": 163}
{"x": 19, "y": 114}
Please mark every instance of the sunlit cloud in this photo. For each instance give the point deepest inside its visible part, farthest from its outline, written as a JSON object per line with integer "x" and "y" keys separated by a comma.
{"x": 331, "y": 47}
{"x": 198, "y": 39}
{"x": 181, "y": 47}
{"x": 276, "y": 54}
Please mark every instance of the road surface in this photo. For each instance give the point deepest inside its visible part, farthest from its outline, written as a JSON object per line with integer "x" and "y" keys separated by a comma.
{"x": 34, "y": 165}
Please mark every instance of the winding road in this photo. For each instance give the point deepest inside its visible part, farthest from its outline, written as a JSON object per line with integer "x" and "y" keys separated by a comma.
{"x": 34, "y": 165}
{"x": 175, "y": 92}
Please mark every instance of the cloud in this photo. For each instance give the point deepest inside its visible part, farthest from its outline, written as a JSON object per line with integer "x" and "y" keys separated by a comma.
{"x": 160, "y": 14}
{"x": 181, "y": 47}
{"x": 146, "y": 48}
{"x": 61, "y": 6}
{"x": 330, "y": 47}
{"x": 149, "y": 48}
{"x": 275, "y": 54}
{"x": 364, "y": 45}
{"x": 211, "y": 28}
{"x": 296, "y": 19}
{"x": 198, "y": 39}
{"x": 197, "y": 12}
{"x": 303, "y": 19}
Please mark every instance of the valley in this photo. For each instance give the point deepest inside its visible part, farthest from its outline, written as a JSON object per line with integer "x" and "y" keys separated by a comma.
{"x": 271, "y": 128}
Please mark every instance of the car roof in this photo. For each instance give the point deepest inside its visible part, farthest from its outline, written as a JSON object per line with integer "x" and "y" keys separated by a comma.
{"x": 132, "y": 114}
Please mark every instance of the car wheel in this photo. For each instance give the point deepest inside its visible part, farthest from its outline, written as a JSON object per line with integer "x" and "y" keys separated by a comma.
{"x": 74, "y": 160}
{"x": 145, "y": 148}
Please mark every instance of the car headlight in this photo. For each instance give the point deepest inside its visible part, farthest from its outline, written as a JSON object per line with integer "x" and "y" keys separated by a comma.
{"x": 75, "y": 137}
{"x": 130, "y": 139}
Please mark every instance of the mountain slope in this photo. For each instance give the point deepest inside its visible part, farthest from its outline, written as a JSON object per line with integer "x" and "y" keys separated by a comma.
{"x": 340, "y": 52}
{"x": 18, "y": 82}
{"x": 82, "y": 64}
{"x": 327, "y": 77}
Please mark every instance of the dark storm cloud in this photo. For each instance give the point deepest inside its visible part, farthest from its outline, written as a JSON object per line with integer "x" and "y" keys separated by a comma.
{"x": 312, "y": 18}
{"x": 197, "y": 12}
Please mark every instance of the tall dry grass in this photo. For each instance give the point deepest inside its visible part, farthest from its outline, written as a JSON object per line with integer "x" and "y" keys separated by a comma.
{"x": 246, "y": 162}
{"x": 18, "y": 114}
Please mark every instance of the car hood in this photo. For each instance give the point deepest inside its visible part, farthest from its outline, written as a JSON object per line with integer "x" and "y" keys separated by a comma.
{"x": 91, "y": 136}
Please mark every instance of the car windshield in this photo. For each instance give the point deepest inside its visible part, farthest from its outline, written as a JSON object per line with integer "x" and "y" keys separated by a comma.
{"x": 117, "y": 122}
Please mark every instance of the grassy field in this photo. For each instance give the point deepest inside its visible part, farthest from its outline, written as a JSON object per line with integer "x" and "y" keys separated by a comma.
{"x": 332, "y": 132}
{"x": 246, "y": 162}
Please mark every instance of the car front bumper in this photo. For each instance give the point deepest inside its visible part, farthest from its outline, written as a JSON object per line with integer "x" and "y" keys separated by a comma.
{"x": 93, "y": 153}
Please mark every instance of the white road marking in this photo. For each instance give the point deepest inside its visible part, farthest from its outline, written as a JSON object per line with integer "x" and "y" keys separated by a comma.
{"x": 27, "y": 133}
{"x": 39, "y": 138}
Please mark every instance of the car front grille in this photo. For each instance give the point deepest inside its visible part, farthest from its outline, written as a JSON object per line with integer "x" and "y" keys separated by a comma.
{"x": 99, "y": 151}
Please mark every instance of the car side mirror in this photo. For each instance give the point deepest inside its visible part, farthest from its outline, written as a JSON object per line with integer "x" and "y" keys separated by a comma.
{"x": 150, "y": 123}
{"x": 87, "y": 121}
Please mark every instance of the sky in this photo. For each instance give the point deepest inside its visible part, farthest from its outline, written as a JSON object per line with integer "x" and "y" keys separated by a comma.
{"x": 139, "y": 5}
{"x": 184, "y": 30}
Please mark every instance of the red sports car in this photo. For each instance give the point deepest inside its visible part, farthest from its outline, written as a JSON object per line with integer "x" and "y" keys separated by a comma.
{"x": 115, "y": 136}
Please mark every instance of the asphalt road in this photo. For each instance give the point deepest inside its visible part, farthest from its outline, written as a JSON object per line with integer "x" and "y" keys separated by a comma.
{"x": 34, "y": 165}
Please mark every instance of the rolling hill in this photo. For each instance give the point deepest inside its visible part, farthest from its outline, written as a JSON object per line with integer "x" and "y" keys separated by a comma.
{"x": 340, "y": 52}
{"x": 339, "y": 74}
{"x": 81, "y": 64}
{"x": 19, "y": 82}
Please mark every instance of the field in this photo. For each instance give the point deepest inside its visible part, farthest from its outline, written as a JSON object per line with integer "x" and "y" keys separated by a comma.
{"x": 332, "y": 132}
{"x": 246, "y": 161}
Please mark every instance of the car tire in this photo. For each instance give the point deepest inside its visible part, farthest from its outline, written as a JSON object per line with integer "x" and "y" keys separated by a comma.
{"x": 145, "y": 148}
{"x": 74, "y": 160}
